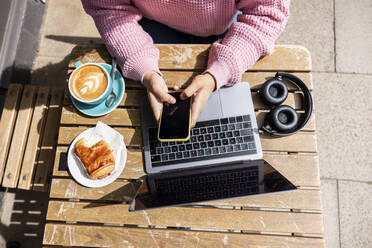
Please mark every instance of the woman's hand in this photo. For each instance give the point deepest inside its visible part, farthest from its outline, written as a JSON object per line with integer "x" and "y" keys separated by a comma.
{"x": 200, "y": 89}
{"x": 157, "y": 92}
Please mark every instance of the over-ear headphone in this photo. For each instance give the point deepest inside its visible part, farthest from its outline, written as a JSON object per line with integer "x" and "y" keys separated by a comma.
{"x": 283, "y": 119}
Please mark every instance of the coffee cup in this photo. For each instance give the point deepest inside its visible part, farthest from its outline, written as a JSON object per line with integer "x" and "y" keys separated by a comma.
{"x": 89, "y": 83}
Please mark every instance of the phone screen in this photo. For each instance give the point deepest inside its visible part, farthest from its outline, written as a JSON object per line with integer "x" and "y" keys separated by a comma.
{"x": 175, "y": 119}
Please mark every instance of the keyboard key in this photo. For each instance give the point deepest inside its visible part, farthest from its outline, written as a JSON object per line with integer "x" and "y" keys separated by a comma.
{"x": 224, "y": 121}
{"x": 193, "y": 154}
{"x": 164, "y": 157}
{"x": 155, "y": 158}
{"x": 239, "y": 118}
{"x": 215, "y": 150}
{"x": 186, "y": 154}
{"x": 179, "y": 142}
{"x": 222, "y": 135}
{"x": 193, "y": 139}
{"x": 200, "y": 152}
{"x": 246, "y": 118}
{"x": 246, "y": 125}
{"x": 203, "y": 144}
{"x": 244, "y": 146}
{"x": 159, "y": 150}
{"x": 167, "y": 149}
{"x": 251, "y": 146}
{"x": 210, "y": 130}
{"x": 207, "y": 137}
{"x": 210, "y": 144}
{"x": 174, "y": 149}
{"x": 222, "y": 149}
{"x": 188, "y": 147}
{"x": 172, "y": 156}
{"x": 181, "y": 148}
{"x": 236, "y": 148}
{"x": 247, "y": 138}
{"x": 229, "y": 134}
{"x": 196, "y": 146}
{"x": 231, "y": 127}
{"x": 224, "y": 128}
{"x": 172, "y": 143}
{"x": 203, "y": 130}
{"x": 164, "y": 144}
{"x": 236, "y": 133}
{"x": 217, "y": 129}
{"x": 200, "y": 138}
{"x": 229, "y": 148}
{"x": 238, "y": 126}
{"x": 225, "y": 142}
{"x": 179, "y": 155}
{"x": 214, "y": 136}
{"x": 208, "y": 151}
{"x": 217, "y": 143}
{"x": 232, "y": 141}
{"x": 239, "y": 140}
{"x": 245, "y": 132}
{"x": 195, "y": 132}
{"x": 232, "y": 120}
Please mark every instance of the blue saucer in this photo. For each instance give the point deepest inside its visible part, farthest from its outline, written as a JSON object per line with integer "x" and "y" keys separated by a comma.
{"x": 101, "y": 109}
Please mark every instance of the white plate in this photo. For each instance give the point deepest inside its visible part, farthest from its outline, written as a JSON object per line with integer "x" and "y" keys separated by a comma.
{"x": 79, "y": 173}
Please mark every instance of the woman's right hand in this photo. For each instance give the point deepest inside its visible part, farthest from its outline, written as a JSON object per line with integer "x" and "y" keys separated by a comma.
{"x": 157, "y": 92}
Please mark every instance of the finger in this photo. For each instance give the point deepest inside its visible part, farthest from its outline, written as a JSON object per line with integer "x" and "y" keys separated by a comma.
{"x": 190, "y": 90}
{"x": 176, "y": 88}
{"x": 198, "y": 105}
{"x": 155, "y": 106}
{"x": 163, "y": 96}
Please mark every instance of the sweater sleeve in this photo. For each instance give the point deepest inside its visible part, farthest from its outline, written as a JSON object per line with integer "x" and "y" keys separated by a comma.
{"x": 252, "y": 36}
{"x": 133, "y": 48}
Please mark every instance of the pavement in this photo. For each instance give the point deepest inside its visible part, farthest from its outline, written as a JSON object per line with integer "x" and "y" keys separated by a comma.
{"x": 338, "y": 35}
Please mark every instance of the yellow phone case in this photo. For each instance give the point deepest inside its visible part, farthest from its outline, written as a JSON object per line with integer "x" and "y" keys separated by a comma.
{"x": 170, "y": 140}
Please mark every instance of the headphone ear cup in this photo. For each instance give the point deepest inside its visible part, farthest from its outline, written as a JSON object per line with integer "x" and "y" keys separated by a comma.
{"x": 283, "y": 118}
{"x": 274, "y": 91}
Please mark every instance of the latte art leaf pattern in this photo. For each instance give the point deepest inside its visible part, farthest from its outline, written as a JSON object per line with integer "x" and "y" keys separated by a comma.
{"x": 89, "y": 82}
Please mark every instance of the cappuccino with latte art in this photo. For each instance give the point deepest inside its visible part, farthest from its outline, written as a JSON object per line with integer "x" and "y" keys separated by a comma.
{"x": 88, "y": 82}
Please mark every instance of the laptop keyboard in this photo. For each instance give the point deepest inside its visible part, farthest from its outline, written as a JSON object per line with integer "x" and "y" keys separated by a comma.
{"x": 208, "y": 140}
{"x": 209, "y": 186}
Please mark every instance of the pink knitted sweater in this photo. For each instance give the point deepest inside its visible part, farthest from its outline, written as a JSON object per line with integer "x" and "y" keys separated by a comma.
{"x": 252, "y": 36}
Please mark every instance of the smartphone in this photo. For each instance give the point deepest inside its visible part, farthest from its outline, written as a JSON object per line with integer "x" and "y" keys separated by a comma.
{"x": 175, "y": 120}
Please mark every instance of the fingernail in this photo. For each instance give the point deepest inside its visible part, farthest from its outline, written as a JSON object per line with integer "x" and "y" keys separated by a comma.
{"x": 172, "y": 100}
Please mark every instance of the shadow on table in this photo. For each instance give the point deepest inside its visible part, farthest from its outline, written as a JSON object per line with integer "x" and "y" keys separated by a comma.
{"x": 22, "y": 216}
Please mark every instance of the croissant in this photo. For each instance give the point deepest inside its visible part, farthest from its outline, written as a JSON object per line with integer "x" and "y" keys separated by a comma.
{"x": 98, "y": 159}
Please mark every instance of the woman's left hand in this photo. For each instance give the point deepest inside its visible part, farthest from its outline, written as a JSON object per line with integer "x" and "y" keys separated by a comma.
{"x": 200, "y": 89}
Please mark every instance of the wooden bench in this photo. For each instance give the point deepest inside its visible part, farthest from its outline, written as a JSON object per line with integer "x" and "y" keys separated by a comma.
{"x": 28, "y": 135}
{"x": 99, "y": 217}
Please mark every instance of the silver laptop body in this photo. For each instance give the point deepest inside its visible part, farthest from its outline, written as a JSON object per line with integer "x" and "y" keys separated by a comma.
{"x": 224, "y": 103}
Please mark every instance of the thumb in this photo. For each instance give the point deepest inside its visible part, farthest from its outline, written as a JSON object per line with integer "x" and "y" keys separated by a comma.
{"x": 190, "y": 90}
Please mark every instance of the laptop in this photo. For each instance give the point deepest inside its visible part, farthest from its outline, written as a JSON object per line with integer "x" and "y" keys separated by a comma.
{"x": 226, "y": 131}
{"x": 222, "y": 159}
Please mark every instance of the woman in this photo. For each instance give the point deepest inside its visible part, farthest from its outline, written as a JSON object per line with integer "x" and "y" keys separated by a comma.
{"x": 258, "y": 25}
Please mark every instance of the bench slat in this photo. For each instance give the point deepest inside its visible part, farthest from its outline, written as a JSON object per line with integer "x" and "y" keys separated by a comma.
{"x": 19, "y": 139}
{"x": 7, "y": 122}
{"x": 46, "y": 156}
{"x": 302, "y": 170}
{"x": 268, "y": 221}
{"x": 34, "y": 139}
{"x": 102, "y": 236}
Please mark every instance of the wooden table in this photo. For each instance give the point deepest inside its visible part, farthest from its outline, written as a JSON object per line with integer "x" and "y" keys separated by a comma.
{"x": 79, "y": 216}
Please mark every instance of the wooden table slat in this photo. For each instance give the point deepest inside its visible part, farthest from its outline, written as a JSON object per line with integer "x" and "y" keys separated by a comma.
{"x": 34, "y": 138}
{"x": 251, "y": 220}
{"x": 15, "y": 156}
{"x": 302, "y": 170}
{"x": 7, "y": 122}
{"x": 100, "y": 236}
{"x": 195, "y": 57}
{"x": 123, "y": 191}
{"x": 46, "y": 156}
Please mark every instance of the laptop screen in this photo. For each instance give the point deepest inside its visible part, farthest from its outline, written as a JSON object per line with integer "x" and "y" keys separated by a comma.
{"x": 208, "y": 184}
